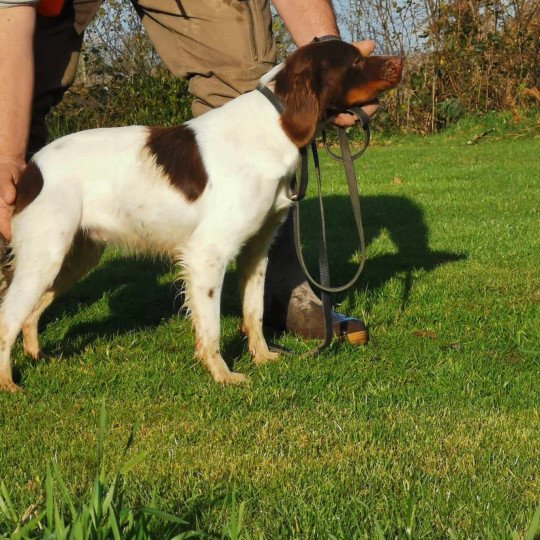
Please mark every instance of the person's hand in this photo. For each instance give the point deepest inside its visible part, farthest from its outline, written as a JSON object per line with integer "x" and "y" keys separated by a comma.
{"x": 10, "y": 172}
{"x": 348, "y": 120}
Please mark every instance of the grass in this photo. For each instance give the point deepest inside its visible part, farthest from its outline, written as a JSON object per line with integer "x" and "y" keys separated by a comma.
{"x": 104, "y": 515}
{"x": 431, "y": 431}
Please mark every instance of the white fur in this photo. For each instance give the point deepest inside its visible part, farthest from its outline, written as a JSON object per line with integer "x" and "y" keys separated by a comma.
{"x": 104, "y": 183}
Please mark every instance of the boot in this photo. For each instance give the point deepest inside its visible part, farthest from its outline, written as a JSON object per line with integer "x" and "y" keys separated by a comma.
{"x": 289, "y": 302}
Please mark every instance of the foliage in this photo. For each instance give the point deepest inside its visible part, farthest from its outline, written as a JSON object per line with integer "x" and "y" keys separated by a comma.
{"x": 156, "y": 99}
{"x": 284, "y": 41}
{"x": 462, "y": 56}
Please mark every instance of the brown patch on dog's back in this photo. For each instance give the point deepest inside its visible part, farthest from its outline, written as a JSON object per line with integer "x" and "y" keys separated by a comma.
{"x": 29, "y": 187}
{"x": 177, "y": 153}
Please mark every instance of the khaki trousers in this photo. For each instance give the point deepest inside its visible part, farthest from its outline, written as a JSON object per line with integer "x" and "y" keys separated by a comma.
{"x": 222, "y": 46}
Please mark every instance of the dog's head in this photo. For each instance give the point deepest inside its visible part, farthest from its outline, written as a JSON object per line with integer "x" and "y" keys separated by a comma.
{"x": 326, "y": 78}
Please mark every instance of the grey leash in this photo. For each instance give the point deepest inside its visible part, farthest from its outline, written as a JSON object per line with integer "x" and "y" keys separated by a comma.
{"x": 347, "y": 159}
{"x": 324, "y": 268}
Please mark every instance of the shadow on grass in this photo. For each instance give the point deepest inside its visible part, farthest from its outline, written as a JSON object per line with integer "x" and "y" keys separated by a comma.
{"x": 137, "y": 299}
{"x": 400, "y": 218}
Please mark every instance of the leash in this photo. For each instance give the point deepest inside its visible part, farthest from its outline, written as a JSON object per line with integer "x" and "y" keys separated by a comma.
{"x": 347, "y": 159}
{"x": 326, "y": 289}
{"x": 324, "y": 267}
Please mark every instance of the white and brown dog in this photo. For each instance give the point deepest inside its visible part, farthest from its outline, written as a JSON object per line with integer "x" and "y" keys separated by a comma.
{"x": 201, "y": 192}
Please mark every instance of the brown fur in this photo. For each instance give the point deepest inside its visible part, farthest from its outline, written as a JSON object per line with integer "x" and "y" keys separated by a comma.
{"x": 302, "y": 109}
{"x": 365, "y": 93}
{"x": 342, "y": 79}
{"x": 29, "y": 187}
{"x": 176, "y": 151}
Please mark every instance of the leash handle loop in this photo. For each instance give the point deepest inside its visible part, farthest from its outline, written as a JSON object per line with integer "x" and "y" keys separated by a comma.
{"x": 365, "y": 123}
{"x": 347, "y": 160}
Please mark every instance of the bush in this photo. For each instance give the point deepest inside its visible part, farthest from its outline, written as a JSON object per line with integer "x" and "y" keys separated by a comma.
{"x": 140, "y": 99}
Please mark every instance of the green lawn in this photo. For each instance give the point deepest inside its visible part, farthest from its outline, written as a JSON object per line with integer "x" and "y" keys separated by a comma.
{"x": 434, "y": 425}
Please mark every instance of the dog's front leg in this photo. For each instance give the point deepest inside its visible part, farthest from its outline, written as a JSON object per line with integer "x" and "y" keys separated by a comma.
{"x": 252, "y": 264}
{"x": 204, "y": 280}
{"x": 252, "y": 288}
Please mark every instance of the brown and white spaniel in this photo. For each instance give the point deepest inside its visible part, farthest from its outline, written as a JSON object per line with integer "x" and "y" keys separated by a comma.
{"x": 202, "y": 193}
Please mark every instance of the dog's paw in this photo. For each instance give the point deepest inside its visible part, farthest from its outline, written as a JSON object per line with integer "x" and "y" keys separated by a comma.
{"x": 7, "y": 385}
{"x": 37, "y": 355}
{"x": 232, "y": 378}
{"x": 264, "y": 358}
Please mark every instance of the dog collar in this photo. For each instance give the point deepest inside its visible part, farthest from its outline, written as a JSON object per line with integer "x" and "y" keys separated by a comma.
{"x": 360, "y": 114}
{"x": 271, "y": 97}
{"x": 330, "y": 37}
{"x": 357, "y": 111}
{"x": 266, "y": 92}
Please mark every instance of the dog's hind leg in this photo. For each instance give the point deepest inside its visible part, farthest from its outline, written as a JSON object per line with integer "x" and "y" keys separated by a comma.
{"x": 84, "y": 255}
{"x": 39, "y": 255}
{"x": 204, "y": 270}
{"x": 251, "y": 265}
{"x": 30, "y": 326}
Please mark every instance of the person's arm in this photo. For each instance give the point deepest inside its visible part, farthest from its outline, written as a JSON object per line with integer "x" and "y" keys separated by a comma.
{"x": 16, "y": 88}
{"x": 308, "y": 19}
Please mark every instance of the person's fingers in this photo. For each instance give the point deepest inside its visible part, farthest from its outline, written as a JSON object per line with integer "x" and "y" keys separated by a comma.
{"x": 10, "y": 171}
{"x": 8, "y": 192}
{"x": 348, "y": 120}
{"x": 345, "y": 120}
{"x": 5, "y": 219}
{"x": 365, "y": 47}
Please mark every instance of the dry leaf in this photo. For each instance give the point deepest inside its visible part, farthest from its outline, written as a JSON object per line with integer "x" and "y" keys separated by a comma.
{"x": 31, "y": 484}
{"x": 512, "y": 358}
{"x": 426, "y": 333}
{"x": 397, "y": 180}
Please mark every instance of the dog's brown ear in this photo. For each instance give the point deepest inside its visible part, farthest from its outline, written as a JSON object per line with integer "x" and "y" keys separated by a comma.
{"x": 295, "y": 87}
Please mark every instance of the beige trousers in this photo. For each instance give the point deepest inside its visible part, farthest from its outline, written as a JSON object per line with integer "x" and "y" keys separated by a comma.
{"x": 222, "y": 46}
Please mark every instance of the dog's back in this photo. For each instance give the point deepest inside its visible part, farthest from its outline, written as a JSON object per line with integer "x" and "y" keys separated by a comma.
{"x": 102, "y": 182}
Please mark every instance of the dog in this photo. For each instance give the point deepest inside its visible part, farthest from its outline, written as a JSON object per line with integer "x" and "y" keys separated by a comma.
{"x": 202, "y": 193}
